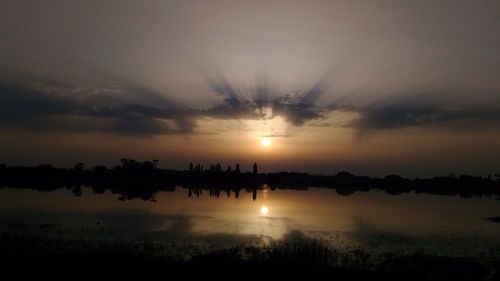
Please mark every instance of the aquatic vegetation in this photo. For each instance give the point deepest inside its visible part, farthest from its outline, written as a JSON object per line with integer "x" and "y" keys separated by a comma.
{"x": 295, "y": 251}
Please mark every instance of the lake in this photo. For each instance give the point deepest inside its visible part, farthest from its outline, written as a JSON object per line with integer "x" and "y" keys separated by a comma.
{"x": 372, "y": 220}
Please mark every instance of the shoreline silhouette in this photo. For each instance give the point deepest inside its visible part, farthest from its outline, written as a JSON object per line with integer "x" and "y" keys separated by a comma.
{"x": 133, "y": 179}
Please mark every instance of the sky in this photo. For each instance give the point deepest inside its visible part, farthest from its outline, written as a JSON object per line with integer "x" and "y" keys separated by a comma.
{"x": 372, "y": 87}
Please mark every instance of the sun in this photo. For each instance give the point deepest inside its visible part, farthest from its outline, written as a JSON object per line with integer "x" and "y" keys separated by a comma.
{"x": 264, "y": 210}
{"x": 265, "y": 142}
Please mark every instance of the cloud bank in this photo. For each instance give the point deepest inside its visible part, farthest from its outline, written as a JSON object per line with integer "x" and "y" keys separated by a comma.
{"x": 127, "y": 109}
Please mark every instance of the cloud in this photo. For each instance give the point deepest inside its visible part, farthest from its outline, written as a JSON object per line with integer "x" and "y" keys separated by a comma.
{"x": 431, "y": 115}
{"x": 129, "y": 109}
{"x": 265, "y": 102}
{"x": 393, "y": 117}
{"x": 49, "y": 105}
{"x": 296, "y": 113}
{"x": 58, "y": 106}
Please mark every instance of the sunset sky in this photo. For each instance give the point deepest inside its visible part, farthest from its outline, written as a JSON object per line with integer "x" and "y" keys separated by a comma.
{"x": 372, "y": 87}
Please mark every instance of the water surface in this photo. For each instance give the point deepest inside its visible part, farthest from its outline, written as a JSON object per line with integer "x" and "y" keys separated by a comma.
{"x": 373, "y": 219}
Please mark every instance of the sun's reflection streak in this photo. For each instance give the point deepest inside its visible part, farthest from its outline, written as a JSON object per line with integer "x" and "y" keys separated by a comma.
{"x": 264, "y": 210}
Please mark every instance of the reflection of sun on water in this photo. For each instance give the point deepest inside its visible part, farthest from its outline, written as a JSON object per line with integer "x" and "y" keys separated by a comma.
{"x": 265, "y": 141}
{"x": 264, "y": 210}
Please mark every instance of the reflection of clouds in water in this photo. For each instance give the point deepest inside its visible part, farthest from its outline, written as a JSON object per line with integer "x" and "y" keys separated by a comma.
{"x": 124, "y": 226}
{"x": 137, "y": 220}
{"x": 367, "y": 234}
{"x": 181, "y": 231}
{"x": 222, "y": 223}
{"x": 284, "y": 224}
{"x": 371, "y": 237}
{"x": 278, "y": 219}
{"x": 179, "y": 225}
{"x": 273, "y": 227}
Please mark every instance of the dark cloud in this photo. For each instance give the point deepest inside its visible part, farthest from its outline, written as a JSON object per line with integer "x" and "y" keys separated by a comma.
{"x": 48, "y": 105}
{"x": 394, "y": 117}
{"x": 232, "y": 107}
{"x": 295, "y": 111}
{"x": 222, "y": 88}
{"x": 462, "y": 108}
{"x": 125, "y": 108}
{"x": 296, "y": 108}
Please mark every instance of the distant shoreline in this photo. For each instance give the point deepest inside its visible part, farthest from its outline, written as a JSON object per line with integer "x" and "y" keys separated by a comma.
{"x": 135, "y": 179}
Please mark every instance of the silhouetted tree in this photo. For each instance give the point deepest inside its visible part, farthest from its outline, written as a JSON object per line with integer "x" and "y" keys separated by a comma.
{"x": 148, "y": 165}
{"x": 133, "y": 179}
{"x": 44, "y": 166}
{"x": 78, "y": 167}
{"x": 77, "y": 191}
{"x": 124, "y": 162}
{"x": 100, "y": 169}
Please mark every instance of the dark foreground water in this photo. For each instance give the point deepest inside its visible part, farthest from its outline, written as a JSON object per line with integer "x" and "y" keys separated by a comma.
{"x": 359, "y": 228}
{"x": 366, "y": 219}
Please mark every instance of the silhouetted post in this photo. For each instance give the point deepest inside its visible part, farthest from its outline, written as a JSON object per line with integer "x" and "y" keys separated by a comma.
{"x": 228, "y": 169}
{"x": 255, "y": 168}
{"x": 190, "y": 168}
{"x": 238, "y": 168}
{"x": 254, "y": 195}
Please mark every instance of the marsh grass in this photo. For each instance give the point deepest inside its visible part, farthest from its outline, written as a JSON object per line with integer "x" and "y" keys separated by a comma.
{"x": 44, "y": 246}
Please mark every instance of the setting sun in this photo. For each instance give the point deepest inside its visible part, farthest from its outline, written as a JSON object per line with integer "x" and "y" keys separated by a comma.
{"x": 266, "y": 142}
{"x": 264, "y": 210}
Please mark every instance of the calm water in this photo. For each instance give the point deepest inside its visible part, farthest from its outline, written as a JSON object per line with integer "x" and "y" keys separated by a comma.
{"x": 372, "y": 219}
